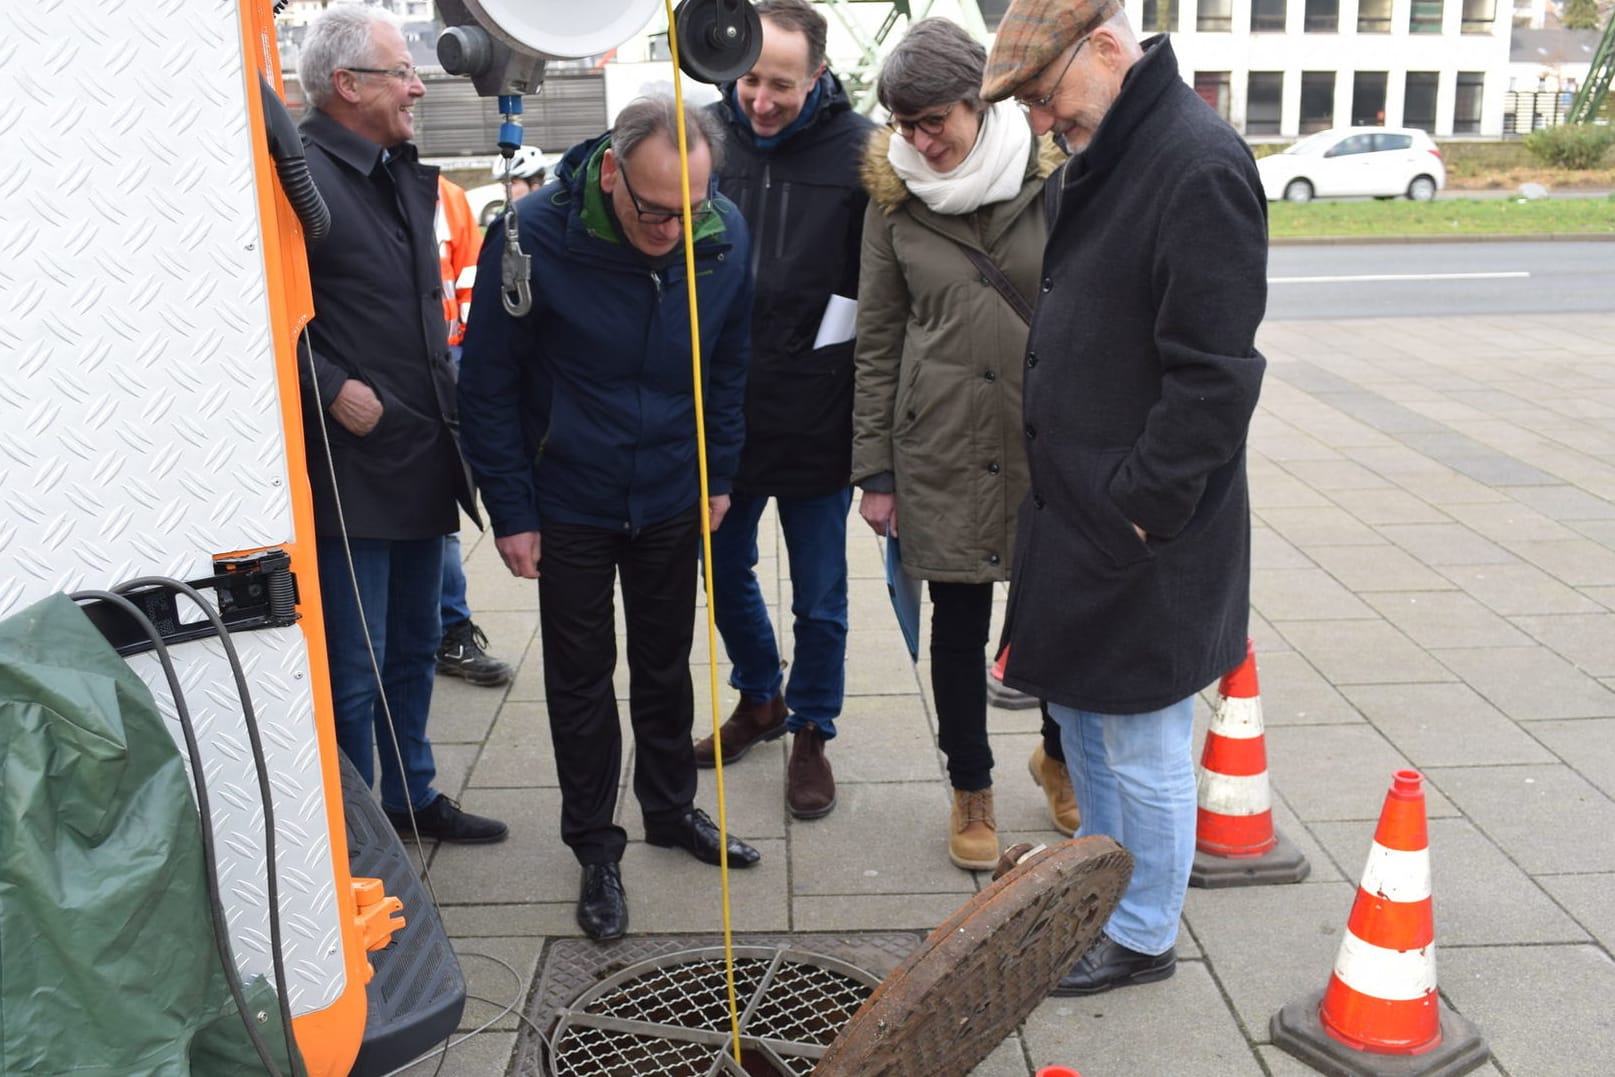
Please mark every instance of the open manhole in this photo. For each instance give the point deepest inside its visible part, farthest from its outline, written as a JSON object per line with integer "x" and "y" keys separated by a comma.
{"x": 945, "y": 1005}
{"x": 670, "y": 1015}
{"x": 660, "y": 1004}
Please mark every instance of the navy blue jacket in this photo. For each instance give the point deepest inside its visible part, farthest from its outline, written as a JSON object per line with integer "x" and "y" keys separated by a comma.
{"x": 583, "y": 410}
{"x": 804, "y": 203}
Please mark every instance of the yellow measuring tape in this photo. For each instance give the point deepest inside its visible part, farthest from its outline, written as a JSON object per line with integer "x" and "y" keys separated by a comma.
{"x": 706, "y": 531}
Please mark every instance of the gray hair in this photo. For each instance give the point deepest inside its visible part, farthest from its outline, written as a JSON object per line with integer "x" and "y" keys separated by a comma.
{"x": 936, "y": 63}
{"x": 657, "y": 114}
{"x": 340, "y": 37}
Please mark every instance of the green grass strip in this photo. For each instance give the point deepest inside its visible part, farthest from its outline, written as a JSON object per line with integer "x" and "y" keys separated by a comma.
{"x": 1446, "y": 216}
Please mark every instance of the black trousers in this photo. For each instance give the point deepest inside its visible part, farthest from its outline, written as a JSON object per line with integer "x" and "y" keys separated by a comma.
{"x": 578, "y": 567}
{"x": 961, "y": 617}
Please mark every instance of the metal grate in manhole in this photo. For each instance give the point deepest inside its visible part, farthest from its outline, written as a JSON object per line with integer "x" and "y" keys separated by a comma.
{"x": 659, "y": 1007}
{"x": 670, "y": 1015}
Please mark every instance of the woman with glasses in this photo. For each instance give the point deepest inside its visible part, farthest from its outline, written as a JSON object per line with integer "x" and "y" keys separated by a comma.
{"x": 952, "y": 248}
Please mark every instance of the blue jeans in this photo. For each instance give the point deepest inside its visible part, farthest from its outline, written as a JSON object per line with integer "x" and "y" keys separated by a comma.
{"x": 816, "y": 544}
{"x": 455, "y": 609}
{"x": 1134, "y": 778}
{"x": 398, "y": 584}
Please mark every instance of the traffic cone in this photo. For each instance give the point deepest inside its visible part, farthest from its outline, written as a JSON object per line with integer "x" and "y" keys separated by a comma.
{"x": 1380, "y": 1013}
{"x": 1235, "y": 843}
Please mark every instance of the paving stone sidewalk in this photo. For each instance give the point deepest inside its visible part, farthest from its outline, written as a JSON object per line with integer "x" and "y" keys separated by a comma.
{"x": 1433, "y": 587}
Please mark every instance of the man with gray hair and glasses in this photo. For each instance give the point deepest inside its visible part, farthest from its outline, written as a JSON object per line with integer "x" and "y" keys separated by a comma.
{"x": 378, "y": 413}
{"x": 580, "y": 425}
{"x": 1131, "y": 585}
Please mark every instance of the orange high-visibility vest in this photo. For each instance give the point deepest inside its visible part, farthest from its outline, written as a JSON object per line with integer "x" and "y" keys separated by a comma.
{"x": 459, "y": 241}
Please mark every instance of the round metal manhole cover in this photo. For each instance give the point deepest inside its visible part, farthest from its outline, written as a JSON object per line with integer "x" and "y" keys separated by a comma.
{"x": 670, "y": 1015}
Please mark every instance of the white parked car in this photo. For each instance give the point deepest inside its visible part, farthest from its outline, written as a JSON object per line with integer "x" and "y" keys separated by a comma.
{"x": 1385, "y": 162}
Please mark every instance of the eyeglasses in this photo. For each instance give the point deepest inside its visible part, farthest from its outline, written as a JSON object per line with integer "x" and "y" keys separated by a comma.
{"x": 656, "y": 214}
{"x": 1043, "y": 102}
{"x": 405, "y": 74}
{"x": 932, "y": 125}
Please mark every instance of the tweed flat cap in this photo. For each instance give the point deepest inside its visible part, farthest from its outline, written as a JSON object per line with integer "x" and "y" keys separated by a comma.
{"x": 1034, "y": 32}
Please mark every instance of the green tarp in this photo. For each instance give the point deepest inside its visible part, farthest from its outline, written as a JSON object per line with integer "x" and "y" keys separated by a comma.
{"x": 108, "y": 966}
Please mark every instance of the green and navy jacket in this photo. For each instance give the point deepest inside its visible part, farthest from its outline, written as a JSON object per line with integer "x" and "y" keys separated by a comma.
{"x": 582, "y": 411}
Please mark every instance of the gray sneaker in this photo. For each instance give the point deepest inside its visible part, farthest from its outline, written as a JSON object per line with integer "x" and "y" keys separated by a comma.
{"x": 461, "y": 655}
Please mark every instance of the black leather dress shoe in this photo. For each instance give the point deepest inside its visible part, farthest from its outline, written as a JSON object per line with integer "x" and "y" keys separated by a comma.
{"x": 695, "y": 833}
{"x": 444, "y": 820}
{"x": 1109, "y": 964}
{"x": 602, "y": 902}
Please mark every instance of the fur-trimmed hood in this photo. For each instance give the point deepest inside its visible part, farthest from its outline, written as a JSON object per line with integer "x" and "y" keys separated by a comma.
{"x": 888, "y": 191}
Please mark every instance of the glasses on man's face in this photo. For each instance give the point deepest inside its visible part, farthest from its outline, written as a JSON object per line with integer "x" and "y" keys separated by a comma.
{"x": 1043, "y": 101}
{"x": 932, "y": 125}
{"x": 405, "y": 74}
{"x": 657, "y": 214}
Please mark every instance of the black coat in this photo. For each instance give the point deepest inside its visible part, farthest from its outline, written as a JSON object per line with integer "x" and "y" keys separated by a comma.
{"x": 804, "y": 203}
{"x": 1141, "y": 378}
{"x": 378, "y": 317}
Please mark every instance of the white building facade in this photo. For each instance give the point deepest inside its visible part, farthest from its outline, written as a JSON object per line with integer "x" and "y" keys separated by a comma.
{"x": 1278, "y": 69}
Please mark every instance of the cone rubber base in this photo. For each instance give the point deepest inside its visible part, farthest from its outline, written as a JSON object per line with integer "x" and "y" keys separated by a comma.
{"x": 1284, "y": 863}
{"x": 1297, "y": 1029}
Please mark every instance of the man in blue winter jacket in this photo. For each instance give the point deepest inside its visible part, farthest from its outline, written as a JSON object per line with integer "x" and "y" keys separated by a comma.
{"x": 579, "y": 424}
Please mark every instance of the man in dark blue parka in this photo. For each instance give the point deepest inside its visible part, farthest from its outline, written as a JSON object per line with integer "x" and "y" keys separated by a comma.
{"x": 579, "y": 423}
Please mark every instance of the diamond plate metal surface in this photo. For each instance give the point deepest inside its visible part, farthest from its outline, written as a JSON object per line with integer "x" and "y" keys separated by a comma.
{"x": 140, "y": 427}
{"x": 577, "y": 969}
{"x": 140, "y": 419}
{"x": 276, "y": 666}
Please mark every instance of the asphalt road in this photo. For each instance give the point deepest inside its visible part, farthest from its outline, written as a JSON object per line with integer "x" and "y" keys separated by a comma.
{"x": 1404, "y": 280}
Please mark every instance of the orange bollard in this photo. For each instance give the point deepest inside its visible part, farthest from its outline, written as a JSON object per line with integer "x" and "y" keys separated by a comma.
{"x": 1380, "y": 1013}
{"x": 1235, "y": 842}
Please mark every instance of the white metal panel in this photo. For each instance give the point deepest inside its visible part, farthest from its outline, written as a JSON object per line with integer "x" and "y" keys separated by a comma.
{"x": 140, "y": 421}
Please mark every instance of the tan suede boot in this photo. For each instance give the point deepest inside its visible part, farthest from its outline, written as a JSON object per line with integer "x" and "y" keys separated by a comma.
{"x": 972, "y": 830}
{"x": 1054, "y": 779}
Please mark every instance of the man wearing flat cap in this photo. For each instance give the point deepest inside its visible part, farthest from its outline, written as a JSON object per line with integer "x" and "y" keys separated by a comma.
{"x": 1131, "y": 589}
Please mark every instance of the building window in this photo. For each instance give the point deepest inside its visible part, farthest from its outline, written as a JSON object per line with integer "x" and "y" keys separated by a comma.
{"x": 1323, "y": 16}
{"x": 1466, "y": 103}
{"x": 1317, "y": 101}
{"x": 1419, "y": 100}
{"x": 1212, "y": 16}
{"x": 1368, "y": 99}
{"x": 1478, "y": 16}
{"x": 1214, "y": 86}
{"x": 1374, "y": 17}
{"x": 1160, "y": 16}
{"x": 1424, "y": 17}
{"x": 1267, "y": 16}
{"x": 1264, "y": 102}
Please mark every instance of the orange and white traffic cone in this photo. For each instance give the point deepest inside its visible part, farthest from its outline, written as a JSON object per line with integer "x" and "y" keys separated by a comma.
{"x": 1380, "y": 1013}
{"x": 1235, "y": 843}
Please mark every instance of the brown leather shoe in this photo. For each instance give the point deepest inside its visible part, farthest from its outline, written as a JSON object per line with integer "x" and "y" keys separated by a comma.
{"x": 750, "y": 723}
{"x": 1054, "y": 779}
{"x": 972, "y": 830}
{"x": 810, "y": 787}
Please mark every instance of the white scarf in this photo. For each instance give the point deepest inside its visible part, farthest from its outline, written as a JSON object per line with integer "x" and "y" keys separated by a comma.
{"x": 992, "y": 171}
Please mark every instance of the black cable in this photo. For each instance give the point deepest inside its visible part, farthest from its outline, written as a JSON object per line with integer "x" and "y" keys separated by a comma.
{"x": 221, "y": 929}
{"x": 249, "y": 718}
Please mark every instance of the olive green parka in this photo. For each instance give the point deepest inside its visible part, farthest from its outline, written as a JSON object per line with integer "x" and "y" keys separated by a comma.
{"x": 937, "y": 404}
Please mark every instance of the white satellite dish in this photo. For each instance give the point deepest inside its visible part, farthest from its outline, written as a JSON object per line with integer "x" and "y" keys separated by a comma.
{"x": 564, "y": 31}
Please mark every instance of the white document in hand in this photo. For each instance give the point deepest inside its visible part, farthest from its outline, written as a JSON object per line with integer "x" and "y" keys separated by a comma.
{"x": 839, "y": 323}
